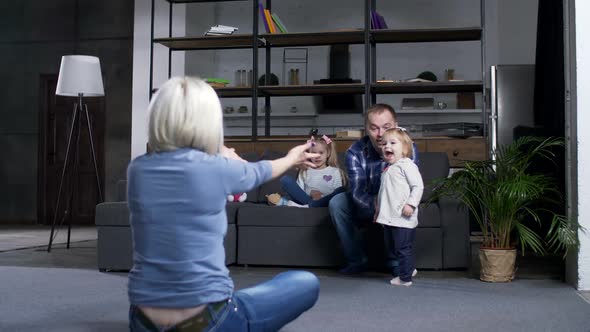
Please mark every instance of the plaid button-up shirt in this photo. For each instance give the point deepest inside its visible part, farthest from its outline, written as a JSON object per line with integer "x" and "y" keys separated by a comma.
{"x": 364, "y": 167}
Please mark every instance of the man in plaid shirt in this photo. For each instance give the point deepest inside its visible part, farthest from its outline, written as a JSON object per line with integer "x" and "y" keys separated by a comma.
{"x": 356, "y": 206}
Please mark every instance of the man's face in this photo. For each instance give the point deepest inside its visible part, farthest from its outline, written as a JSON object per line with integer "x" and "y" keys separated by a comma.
{"x": 377, "y": 124}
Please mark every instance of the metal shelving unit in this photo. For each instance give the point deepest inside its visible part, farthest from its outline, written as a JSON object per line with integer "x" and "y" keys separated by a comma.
{"x": 367, "y": 37}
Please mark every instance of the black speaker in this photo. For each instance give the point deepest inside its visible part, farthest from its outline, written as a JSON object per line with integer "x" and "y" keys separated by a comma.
{"x": 339, "y": 61}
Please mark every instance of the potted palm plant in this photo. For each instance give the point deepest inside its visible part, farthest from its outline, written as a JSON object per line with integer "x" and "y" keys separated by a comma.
{"x": 504, "y": 197}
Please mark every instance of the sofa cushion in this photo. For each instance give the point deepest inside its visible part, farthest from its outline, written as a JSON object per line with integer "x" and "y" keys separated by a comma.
{"x": 273, "y": 186}
{"x": 252, "y": 195}
{"x": 428, "y": 248}
{"x": 231, "y": 209}
{"x": 112, "y": 214}
{"x": 432, "y": 165}
{"x": 429, "y": 215}
{"x": 289, "y": 246}
{"x": 114, "y": 249}
{"x": 230, "y": 243}
{"x": 283, "y": 216}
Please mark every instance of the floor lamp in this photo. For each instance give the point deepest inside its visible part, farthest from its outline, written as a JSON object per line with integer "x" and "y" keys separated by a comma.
{"x": 79, "y": 76}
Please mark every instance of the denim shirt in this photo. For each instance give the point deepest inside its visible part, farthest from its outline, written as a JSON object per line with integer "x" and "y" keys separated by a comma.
{"x": 178, "y": 222}
{"x": 364, "y": 167}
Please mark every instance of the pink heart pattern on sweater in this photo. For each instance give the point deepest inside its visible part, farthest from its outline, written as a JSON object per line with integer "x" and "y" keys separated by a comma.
{"x": 327, "y": 178}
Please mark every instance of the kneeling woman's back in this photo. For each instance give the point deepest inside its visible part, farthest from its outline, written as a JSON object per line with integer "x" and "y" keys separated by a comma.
{"x": 178, "y": 218}
{"x": 177, "y": 196}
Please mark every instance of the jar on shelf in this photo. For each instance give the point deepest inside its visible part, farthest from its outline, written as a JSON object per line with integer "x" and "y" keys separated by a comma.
{"x": 295, "y": 66}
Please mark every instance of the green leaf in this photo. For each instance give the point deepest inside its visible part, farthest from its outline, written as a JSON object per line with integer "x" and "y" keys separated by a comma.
{"x": 502, "y": 195}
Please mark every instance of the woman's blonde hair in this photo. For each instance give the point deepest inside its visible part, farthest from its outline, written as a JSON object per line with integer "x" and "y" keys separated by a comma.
{"x": 403, "y": 137}
{"x": 185, "y": 113}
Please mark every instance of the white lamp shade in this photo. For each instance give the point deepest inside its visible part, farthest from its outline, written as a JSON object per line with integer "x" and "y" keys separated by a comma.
{"x": 79, "y": 74}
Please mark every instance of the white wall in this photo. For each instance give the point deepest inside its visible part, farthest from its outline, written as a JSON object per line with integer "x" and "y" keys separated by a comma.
{"x": 141, "y": 63}
{"x": 583, "y": 140}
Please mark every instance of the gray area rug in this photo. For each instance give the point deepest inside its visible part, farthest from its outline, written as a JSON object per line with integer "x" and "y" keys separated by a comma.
{"x": 54, "y": 299}
{"x": 19, "y": 237}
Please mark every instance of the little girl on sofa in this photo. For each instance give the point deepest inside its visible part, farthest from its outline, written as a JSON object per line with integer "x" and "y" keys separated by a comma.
{"x": 314, "y": 187}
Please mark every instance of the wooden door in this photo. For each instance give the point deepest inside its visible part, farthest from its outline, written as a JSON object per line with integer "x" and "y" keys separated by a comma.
{"x": 79, "y": 190}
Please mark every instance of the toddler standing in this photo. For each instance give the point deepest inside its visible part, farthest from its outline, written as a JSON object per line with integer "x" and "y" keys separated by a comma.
{"x": 397, "y": 203}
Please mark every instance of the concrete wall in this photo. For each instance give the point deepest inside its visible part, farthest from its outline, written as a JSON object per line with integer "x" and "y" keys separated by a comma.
{"x": 34, "y": 34}
{"x": 141, "y": 62}
{"x": 582, "y": 52}
{"x": 517, "y": 31}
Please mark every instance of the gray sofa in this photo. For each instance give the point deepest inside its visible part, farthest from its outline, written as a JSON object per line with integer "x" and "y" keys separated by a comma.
{"x": 259, "y": 234}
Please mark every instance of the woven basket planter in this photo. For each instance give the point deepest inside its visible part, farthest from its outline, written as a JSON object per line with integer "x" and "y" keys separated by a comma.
{"x": 497, "y": 265}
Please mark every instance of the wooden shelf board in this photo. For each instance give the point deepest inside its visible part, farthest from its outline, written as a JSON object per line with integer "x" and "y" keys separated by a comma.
{"x": 357, "y": 88}
{"x": 230, "y": 92}
{"x": 355, "y": 36}
{"x": 445, "y": 111}
{"x": 426, "y": 35}
{"x": 312, "y": 90}
{"x": 207, "y": 42}
{"x": 235, "y": 92}
{"x": 300, "y": 138}
{"x": 192, "y": 1}
{"x": 428, "y": 87}
{"x": 272, "y": 116}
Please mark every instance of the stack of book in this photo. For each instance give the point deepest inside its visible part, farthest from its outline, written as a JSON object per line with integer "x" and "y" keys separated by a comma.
{"x": 221, "y": 30}
{"x": 377, "y": 21}
{"x": 217, "y": 82}
{"x": 272, "y": 22}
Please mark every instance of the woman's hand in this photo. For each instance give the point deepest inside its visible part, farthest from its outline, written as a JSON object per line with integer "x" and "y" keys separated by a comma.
{"x": 230, "y": 153}
{"x": 297, "y": 156}
{"x": 300, "y": 157}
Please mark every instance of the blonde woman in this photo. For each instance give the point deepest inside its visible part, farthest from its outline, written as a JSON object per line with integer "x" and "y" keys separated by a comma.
{"x": 177, "y": 196}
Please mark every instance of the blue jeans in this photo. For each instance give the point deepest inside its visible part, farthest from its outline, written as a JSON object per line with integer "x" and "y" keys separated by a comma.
{"x": 391, "y": 259}
{"x": 299, "y": 196}
{"x": 403, "y": 249}
{"x": 265, "y": 307}
{"x": 346, "y": 218}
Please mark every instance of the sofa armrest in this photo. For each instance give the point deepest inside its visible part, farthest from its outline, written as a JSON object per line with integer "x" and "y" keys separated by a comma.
{"x": 112, "y": 214}
{"x": 455, "y": 231}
